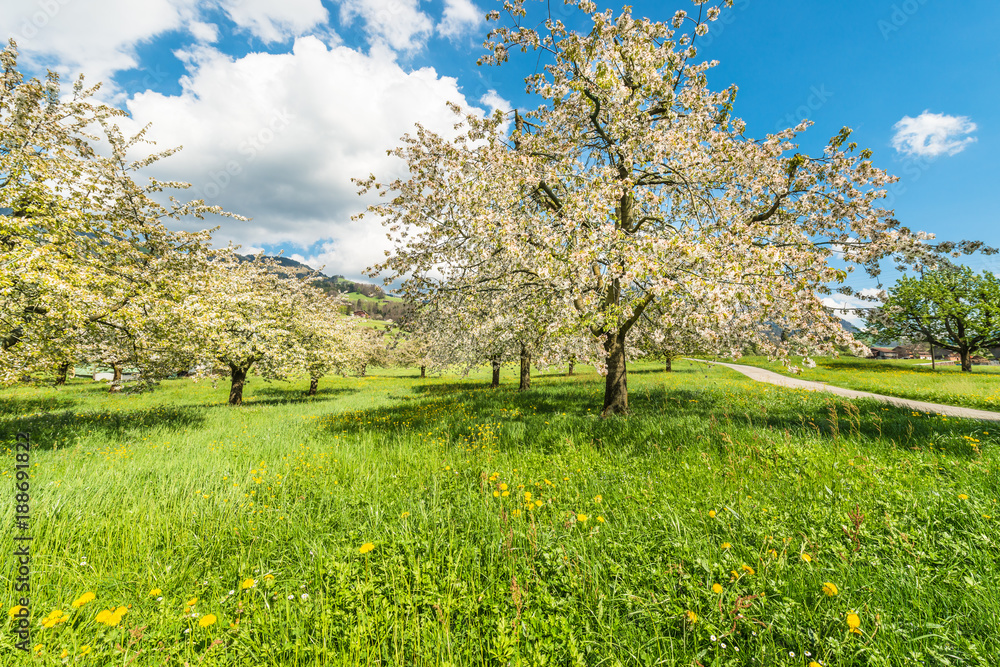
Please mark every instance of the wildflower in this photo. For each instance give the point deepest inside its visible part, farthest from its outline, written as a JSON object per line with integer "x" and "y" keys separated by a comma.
{"x": 582, "y": 518}
{"x": 207, "y": 620}
{"x": 854, "y": 622}
{"x": 83, "y": 599}
{"x": 39, "y": 648}
{"x": 600, "y": 519}
{"x": 15, "y": 610}
{"x": 191, "y": 602}
{"x": 64, "y": 653}
{"x": 598, "y": 498}
{"x": 155, "y": 592}
{"x": 830, "y": 589}
{"x": 747, "y": 568}
{"x": 807, "y": 558}
{"x": 691, "y": 617}
{"x": 248, "y": 583}
{"x": 717, "y": 589}
{"x": 305, "y": 596}
{"x": 85, "y": 649}
{"x": 404, "y": 515}
{"x": 815, "y": 664}
{"x": 726, "y": 545}
{"x": 962, "y": 496}
{"x": 366, "y": 547}
{"x": 268, "y": 577}
{"x": 503, "y": 487}
{"x": 711, "y": 513}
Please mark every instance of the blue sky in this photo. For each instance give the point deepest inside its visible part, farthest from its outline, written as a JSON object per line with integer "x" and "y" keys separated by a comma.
{"x": 279, "y": 104}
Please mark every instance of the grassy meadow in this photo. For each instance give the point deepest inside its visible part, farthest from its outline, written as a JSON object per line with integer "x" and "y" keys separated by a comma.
{"x": 397, "y": 521}
{"x": 906, "y": 378}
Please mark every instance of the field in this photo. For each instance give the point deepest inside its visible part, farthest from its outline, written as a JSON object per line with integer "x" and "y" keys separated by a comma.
{"x": 947, "y": 384}
{"x": 397, "y": 521}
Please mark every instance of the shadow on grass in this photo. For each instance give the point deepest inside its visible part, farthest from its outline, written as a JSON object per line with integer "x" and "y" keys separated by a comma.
{"x": 284, "y": 395}
{"x": 50, "y": 429}
{"x": 558, "y": 415}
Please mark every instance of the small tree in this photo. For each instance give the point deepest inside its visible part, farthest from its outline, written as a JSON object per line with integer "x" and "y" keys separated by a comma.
{"x": 951, "y": 308}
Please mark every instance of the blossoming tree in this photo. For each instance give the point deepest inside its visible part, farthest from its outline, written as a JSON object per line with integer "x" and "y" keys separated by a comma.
{"x": 632, "y": 184}
{"x": 82, "y": 244}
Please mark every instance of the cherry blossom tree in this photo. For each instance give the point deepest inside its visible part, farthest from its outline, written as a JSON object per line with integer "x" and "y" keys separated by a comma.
{"x": 634, "y": 184}
{"x": 81, "y": 243}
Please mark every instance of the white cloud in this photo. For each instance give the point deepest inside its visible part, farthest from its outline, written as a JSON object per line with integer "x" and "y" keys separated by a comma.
{"x": 276, "y": 21}
{"x": 95, "y": 37}
{"x": 493, "y": 101}
{"x": 460, "y": 16}
{"x": 398, "y": 24}
{"x": 931, "y": 134}
{"x": 279, "y": 136}
{"x": 204, "y": 32}
{"x": 847, "y": 307}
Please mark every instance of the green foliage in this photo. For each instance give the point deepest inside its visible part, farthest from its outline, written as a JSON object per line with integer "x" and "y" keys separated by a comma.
{"x": 712, "y": 480}
{"x": 953, "y": 308}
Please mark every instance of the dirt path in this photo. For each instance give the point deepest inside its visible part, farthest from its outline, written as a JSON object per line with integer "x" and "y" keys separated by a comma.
{"x": 762, "y": 375}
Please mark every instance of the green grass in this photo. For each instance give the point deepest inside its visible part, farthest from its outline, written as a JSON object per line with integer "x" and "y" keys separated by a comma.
{"x": 354, "y": 296}
{"x": 947, "y": 385}
{"x": 176, "y": 491}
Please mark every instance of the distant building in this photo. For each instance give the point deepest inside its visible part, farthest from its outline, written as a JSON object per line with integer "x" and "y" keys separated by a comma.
{"x": 359, "y": 313}
{"x": 884, "y": 353}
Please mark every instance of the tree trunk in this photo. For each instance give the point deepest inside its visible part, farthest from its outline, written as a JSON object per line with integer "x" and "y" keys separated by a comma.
{"x": 364, "y": 369}
{"x": 495, "y": 362}
{"x": 423, "y": 372}
{"x": 616, "y": 384}
{"x": 570, "y": 371}
{"x": 670, "y": 367}
{"x": 62, "y": 373}
{"x": 313, "y": 386}
{"x": 525, "y": 369}
{"x": 933, "y": 366}
{"x": 239, "y": 376}
{"x": 116, "y": 380}
{"x": 966, "y": 361}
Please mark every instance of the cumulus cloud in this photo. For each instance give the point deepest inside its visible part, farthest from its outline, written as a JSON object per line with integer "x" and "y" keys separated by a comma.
{"x": 398, "y": 24}
{"x": 276, "y": 21}
{"x": 96, "y": 37}
{"x": 932, "y": 134}
{"x": 460, "y": 16}
{"x": 279, "y": 136}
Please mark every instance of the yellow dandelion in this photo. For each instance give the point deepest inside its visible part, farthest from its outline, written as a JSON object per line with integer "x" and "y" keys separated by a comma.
{"x": 807, "y": 558}
{"x": 830, "y": 589}
{"x": 103, "y": 616}
{"x": 962, "y": 496}
{"x": 85, "y": 649}
{"x": 691, "y": 617}
{"x": 747, "y": 569}
{"x": 366, "y": 547}
{"x": 248, "y": 583}
{"x": 207, "y": 620}
{"x": 854, "y": 622}
{"x": 155, "y": 592}
{"x": 717, "y": 589}
{"x": 191, "y": 602}
{"x": 597, "y": 498}
{"x": 711, "y": 513}
{"x": 582, "y": 518}
{"x": 39, "y": 648}
{"x": 815, "y": 664}
{"x": 268, "y": 577}
{"x": 14, "y": 611}
{"x": 83, "y": 599}
{"x": 406, "y": 514}
{"x": 64, "y": 653}
{"x": 600, "y": 519}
